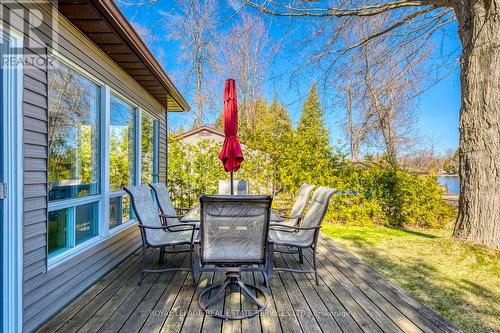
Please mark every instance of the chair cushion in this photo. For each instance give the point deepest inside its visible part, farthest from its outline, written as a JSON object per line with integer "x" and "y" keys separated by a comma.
{"x": 160, "y": 237}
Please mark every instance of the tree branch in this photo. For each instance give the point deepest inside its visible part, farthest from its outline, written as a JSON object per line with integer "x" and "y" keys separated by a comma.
{"x": 370, "y": 10}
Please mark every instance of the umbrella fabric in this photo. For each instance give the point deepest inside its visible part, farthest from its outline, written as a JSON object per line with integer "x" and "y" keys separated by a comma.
{"x": 231, "y": 154}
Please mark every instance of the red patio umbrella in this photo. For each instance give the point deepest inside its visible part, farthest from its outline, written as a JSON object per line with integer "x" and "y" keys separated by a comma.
{"x": 231, "y": 154}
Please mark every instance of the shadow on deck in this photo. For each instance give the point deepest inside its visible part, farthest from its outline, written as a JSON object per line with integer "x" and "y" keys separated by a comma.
{"x": 351, "y": 297}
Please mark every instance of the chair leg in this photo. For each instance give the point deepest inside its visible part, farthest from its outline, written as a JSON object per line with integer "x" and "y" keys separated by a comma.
{"x": 301, "y": 256}
{"x": 232, "y": 278}
{"x": 269, "y": 264}
{"x": 195, "y": 263}
{"x": 141, "y": 277}
{"x": 191, "y": 262}
{"x": 266, "y": 279}
{"x": 314, "y": 266}
{"x": 162, "y": 255}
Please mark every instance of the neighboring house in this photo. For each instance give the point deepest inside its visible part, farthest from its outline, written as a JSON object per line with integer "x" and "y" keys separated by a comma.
{"x": 83, "y": 115}
{"x": 198, "y": 134}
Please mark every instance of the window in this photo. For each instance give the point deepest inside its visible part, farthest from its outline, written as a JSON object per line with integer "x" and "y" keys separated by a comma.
{"x": 71, "y": 226}
{"x": 74, "y": 113}
{"x": 121, "y": 145}
{"x": 149, "y": 149}
{"x": 73, "y": 134}
{"x": 86, "y": 197}
{"x": 122, "y": 164}
{"x": 119, "y": 211}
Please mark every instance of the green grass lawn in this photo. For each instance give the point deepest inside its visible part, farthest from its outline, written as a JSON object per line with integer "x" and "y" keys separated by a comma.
{"x": 459, "y": 281}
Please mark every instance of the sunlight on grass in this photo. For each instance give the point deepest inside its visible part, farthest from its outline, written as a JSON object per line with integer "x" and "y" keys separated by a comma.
{"x": 458, "y": 280}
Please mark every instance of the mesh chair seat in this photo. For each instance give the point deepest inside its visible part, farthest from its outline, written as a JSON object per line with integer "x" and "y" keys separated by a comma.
{"x": 160, "y": 237}
{"x": 300, "y": 239}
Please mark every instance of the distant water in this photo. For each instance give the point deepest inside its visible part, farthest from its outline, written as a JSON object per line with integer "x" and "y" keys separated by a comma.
{"x": 452, "y": 184}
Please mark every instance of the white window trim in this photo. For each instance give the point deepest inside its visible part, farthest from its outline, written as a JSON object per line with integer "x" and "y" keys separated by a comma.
{"x": 105, "y": 133}
{"x": 156, "y": 148}
{"x": 138, "y": 146}
{"x": 12, "y": 221}
{"x": 61, "y": 204}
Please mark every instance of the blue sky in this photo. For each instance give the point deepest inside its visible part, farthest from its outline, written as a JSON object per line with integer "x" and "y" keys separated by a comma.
{"x": 437, "y": 108}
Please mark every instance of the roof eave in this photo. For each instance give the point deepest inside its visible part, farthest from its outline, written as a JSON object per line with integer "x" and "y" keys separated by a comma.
{"x": 130, "y": 36}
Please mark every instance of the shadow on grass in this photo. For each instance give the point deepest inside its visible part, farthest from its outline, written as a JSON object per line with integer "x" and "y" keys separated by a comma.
{"x": 416, "y": 233}
{"x": 462, "y": 302}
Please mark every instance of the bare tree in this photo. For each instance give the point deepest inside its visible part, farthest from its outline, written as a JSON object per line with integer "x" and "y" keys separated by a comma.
{"x": 247, "y": 54}
{"x": 377, "y": 88}
{"x": 412, "y": 23}
{"x": 194, "y": 26}
{"x": 389, "y": 86}
{"x": 359, "y": 121}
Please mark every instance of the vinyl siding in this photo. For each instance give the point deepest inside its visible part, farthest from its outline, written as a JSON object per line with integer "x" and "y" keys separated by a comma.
{"x": 47, "y": 291}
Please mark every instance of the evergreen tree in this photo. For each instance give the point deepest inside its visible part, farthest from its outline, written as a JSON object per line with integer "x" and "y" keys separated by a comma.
{"x": 311, "y": 155}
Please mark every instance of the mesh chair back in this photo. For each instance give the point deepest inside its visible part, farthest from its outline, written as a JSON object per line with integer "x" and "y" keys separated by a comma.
{"x": 234, "y": 229}
{"x": 316, "y": 212}
{"x": 301, "y": 201}
{"x": 164, "y": 203}
{"x": 144, "y": 208}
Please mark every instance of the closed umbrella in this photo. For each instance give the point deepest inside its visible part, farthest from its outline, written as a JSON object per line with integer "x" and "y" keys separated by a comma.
{"x": 231, "y": 154}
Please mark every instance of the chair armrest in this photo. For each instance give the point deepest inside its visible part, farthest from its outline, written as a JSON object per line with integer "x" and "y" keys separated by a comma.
{"x": 188, "y": 221}
{"x": 280, "y": 226}
{"x": 171, "y": 228}
{"x": 288, "y": 217}
{"x": 171, "y": 216}
{"x": 183, "y": 209}
{"x": 164, "y": 218}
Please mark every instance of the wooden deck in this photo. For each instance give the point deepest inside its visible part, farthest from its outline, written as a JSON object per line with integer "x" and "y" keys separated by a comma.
{"x": 351, "y": 297}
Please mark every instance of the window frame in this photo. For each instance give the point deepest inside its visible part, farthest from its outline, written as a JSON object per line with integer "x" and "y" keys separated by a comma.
{"x": 156, "y": 150}
{"x": 12, "y": 118}
{"x": 137, "y": 161}
{"x": 103, "y": 198}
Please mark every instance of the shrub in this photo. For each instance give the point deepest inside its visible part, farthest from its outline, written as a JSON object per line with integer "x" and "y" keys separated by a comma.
{"x": 368, "y": 193}
{"x": 391, "y": 196}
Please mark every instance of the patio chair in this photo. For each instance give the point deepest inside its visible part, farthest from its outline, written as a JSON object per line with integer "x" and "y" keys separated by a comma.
{"x": 299, "y": 206}
{"x": 168, "y": 213}
{"x": 156, "y": 235}
{"x": 234, "y": 238}
{"x": 305, "y": 236}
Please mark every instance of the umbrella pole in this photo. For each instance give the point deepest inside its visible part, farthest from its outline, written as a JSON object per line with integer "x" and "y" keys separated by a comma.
{"x": 232, "y": 177}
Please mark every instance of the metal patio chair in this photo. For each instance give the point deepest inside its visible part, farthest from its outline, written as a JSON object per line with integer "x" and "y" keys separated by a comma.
{"x": 234, "y": 238}
{"x": 305, "y": 236}
{"x": 299, "y": 206}
{"x": 168, "y": 213}
{"x": 156, "y": 235}
{"x": 294, "y": 219}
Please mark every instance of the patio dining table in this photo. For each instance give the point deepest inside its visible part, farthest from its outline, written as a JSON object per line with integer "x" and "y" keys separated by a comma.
{"x": 194, "y": 215}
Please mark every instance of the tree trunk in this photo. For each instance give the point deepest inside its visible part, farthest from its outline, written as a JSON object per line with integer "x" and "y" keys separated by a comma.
{"x": 479, "y": 204}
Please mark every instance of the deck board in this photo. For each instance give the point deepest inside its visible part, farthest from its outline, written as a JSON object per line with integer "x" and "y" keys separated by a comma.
{"x": 351, "y": 297}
